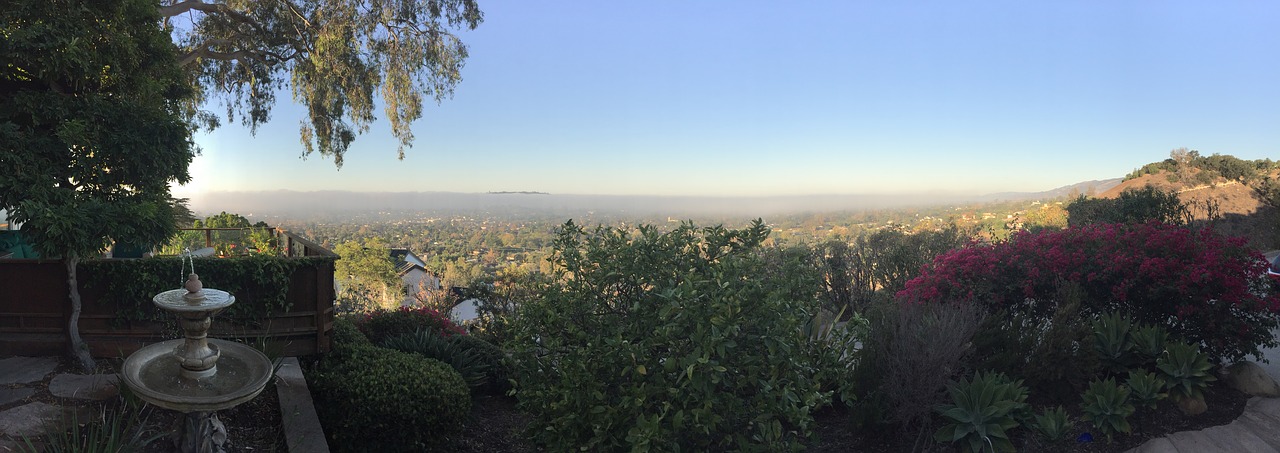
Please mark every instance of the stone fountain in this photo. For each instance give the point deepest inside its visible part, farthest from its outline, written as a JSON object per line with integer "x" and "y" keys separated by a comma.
{"x": 197, "y": 375}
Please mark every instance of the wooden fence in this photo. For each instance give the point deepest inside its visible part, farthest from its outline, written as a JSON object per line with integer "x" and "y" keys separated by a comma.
{"x": 34, "y": 309}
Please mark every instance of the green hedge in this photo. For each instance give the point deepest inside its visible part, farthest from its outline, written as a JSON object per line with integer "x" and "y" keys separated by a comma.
{"x": 377, "y": 399}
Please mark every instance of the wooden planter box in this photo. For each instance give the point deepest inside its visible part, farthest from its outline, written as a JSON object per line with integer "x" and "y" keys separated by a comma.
{"x": 34, "y": 309}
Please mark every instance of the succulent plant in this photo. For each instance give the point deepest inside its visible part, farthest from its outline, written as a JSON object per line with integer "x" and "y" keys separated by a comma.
{"x": 1106, "y": 406}
{"x": 1186, "y": 371}
{"x": 1112, "y": 341}
{"x": 1149, "y": 342}
{"x": 1052, "y": 424}
{"x": 982, "y": 413}
{"x": 1145, "y": 389}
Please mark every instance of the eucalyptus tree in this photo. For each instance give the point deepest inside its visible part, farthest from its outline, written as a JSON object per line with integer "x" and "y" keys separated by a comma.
{"x": 332, "y": 54}
{"x": 92, "y": 129}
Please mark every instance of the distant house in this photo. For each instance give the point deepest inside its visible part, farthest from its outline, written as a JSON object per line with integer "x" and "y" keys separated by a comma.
{"x": 412, "y": 270}
{"x": 466, "y": 311}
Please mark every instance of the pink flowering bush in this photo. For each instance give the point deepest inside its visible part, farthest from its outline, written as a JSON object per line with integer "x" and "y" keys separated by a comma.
{"x": 381, "y": 324}
{"x": 1199, "y": 285}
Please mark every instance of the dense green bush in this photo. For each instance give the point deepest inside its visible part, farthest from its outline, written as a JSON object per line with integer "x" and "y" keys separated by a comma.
{"x": 379, "y": 325}
{"x": 678, "y": 341}
{"x": 468, "y": 364}
{"x": 347, "y": 337}
{"x": 498, "y": 367}
{"x": 1054, "y": 357}
{"x": 484, "y": 366}
{"x": 378, "y": 399}
{"x": 1132, "y": 206}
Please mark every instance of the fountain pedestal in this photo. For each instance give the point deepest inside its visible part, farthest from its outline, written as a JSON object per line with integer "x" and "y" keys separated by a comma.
{"x": 196, "y": 375}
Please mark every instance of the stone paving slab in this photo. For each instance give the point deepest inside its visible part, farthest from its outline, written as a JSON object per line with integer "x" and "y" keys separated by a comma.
{"x": 29, "y": 419}
{"x": 1263, "y": 427}
{"x": 95, "y": 387}
{"x": 1239, "y": 437}
{"x": 1197, "y": 441}
{"x": 8, "y": 396}
{"x": 25, "y": 370}
{"x": 1160, "y": 445}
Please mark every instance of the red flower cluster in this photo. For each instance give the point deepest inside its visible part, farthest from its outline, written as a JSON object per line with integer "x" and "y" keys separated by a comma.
{"x": 1200, "y": 285}
{"x": 381, "y": 323}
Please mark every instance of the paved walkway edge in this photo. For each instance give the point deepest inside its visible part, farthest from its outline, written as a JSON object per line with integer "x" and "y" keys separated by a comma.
{"x": 1255, "y": 431}
{"x": 302, "y": 430}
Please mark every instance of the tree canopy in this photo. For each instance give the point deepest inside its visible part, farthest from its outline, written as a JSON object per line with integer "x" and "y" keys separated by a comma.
{"x": 333, "y": 54}
{"x": 91, "y": 124}
{"x": 92, "y": 128}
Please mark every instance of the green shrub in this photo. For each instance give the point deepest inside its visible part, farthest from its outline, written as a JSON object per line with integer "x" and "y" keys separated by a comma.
{"x": 1106, "y": 406}
{"x": 912, "y": 352}
{"x": 379, "y": 325}
{"x": 1052, "y": 424}
{"x": 498, "y": 366}
{"x": 828, "y": 350}
{"x": 1185, "y": 370}
{"x": 462, "y": 358}
{"x": 982, "y": 413}
{"x": 347, "y": 337}
{"x": 1145, "y": 389}
{"x": 1054, "y": 356}
{"x": 678, "y": 341}
{"x": 385, "y": 400}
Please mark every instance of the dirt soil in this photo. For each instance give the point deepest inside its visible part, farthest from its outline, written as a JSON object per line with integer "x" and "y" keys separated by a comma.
{"x": 496, "y": 426}
{"x": 835, "y": 429}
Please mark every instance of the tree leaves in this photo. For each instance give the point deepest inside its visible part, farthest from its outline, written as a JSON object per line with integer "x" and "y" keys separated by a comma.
{"x": 333, "y": 54}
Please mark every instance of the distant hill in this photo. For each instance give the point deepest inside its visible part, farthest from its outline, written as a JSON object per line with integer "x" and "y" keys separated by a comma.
{"x": 1239, "y": 209}
{"x": 1080, "y": 188}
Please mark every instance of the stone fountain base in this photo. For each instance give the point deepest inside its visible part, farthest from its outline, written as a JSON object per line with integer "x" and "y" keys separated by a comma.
{"x": 153, "y": 374}
{"x": 156, "y": 376}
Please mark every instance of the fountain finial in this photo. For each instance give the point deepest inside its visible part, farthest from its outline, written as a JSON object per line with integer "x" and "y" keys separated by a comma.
{"x": 195, "y": 289}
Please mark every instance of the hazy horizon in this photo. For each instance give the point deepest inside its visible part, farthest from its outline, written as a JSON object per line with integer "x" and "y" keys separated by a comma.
{"x": 828, "y": 97}
{"x": 285, "y": 201}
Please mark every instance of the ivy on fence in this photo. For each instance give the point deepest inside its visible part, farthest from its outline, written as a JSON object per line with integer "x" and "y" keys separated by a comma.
{"x": 260, "y": 283}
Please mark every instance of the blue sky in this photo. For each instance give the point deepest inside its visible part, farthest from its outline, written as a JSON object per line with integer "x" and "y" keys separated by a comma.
{"x": 759, "y": 98}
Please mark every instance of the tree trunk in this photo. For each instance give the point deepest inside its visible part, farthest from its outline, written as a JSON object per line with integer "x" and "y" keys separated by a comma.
{"x": 79, "y": 350}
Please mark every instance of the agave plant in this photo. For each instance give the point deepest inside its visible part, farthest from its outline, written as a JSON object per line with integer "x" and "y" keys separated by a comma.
{"x": 1112, "y": 341}
{"x": 1145, "y": 389}
{"x": 1106, "y": 406}
{"x": 982, "y": 413}
{"x": 1185, "y": 370}
{"x": 1052, "y": 424}
{"x": 1149, "y": 342}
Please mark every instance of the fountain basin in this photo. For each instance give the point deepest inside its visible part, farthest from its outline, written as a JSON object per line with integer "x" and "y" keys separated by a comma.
{"x": 153, "y": 373}
{"x": 213, "y": 300}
